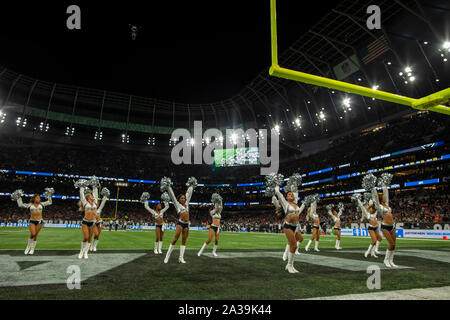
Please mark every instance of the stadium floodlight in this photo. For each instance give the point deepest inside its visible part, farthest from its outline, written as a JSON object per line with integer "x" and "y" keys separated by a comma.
{"x": 69, "y": 131}
{"x": 347, "y": 104}
{"x": 375, "y": 87}
{"x": 98, "y": 135}
{"x": 446, "y": 45}
{"x": 151, "y": 141}
{"x": 125, "y": 138}
{"x": 433, "y": 102}
{"x": 44, "y": 126}
{"x": 21, "y": 122}
{"x": 2, "y": 117}
{"x": 408, "y": 70}
{"x": 298, "y": 123}
{"x": 321, "y": 116}
{"x": 276, "y": 129}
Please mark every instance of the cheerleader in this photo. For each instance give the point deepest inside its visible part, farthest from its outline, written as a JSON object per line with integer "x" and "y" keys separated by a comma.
{"x": 214, "y": 230}
{"x": 336, "y": 217}
{"x": 88, "y": 204}
{"x": 158, "y": 215}
{"x": 35, "y": 207}
{"x": 369, "y": 213}
{"x": 312, "y": 214}
{"x": 182, "y": 207}
{"x": 98, "y": 226}
{"x": 387, "y": 224}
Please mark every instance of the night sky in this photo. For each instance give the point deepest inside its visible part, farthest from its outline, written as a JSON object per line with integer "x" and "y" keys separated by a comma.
{"x": 187, "y": 51}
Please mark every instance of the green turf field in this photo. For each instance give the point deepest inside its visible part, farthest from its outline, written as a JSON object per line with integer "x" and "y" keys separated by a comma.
{"x": 249, "y": 266}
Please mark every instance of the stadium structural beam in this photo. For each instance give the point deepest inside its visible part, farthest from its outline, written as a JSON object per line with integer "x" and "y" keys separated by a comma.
{"x": 359, "y": 63}
{"x": 215, "y": 115}
{"x": 173, "y": 114}
{"x": 421, "y": 16}
{"x": 432, "y": 102}
{"x": 128, "y": 115}
{"x": 29, "y": 98}
{"x": 309, "y": 60}
{"x": 356, "y": 19}
{"x": 227, "y": 114}
{"x": 49, "y": 104}
{"x": 282, "y": 97}
{"x": 11, "y": 88}
{"x": 262, "y": 101}
{"x": 250, "y": 107}
{"x": 75, "y": 100}
{"x": 203, "y": 115}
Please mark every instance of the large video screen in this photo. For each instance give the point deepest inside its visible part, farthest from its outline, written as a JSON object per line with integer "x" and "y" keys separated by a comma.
{"x": 236, "y": 157}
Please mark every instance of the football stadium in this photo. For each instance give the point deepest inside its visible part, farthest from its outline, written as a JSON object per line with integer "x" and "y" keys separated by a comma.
{"x": 221, "y": 151}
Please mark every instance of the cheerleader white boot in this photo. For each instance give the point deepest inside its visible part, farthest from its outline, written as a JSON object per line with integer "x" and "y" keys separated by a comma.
{"x": 95, "y": 245}
{"x": 387, "y": 258}
{"x": 181, "y": 258}
{"x": 391, "y": 260}
{"x": 86, "y": 250}
{"x": 32, "y": 246}
{"x": 80, "y": 256}
{"x": 156, "y": 248}
{"x": 290, "y": 265}
{"x": 373, "y": 253}
{"x": 91, "y": 246}
{"x": 377, "y": 246}
{"x": 201, "y": 250}
{"x": 214, "y": 251}
{"x": 308, "y": 245}
{"x": 298, "y": 247}
{"x": 369, "y": 251}
{"x": 338, "y": 245}
{"x": 316, "y": 246}
{"x": 27, "y": 250}
{"x": 160, "y": 247}
{"x": 169, "y": 252}
{"x": 286, "y": 251}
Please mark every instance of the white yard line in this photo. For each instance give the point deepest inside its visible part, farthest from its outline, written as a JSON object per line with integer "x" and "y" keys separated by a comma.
{"x": 442, "y": 293}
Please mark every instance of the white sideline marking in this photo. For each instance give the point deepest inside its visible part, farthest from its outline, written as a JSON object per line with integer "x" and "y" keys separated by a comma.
{"x": 436, "y": 255}
{"x": 310, "y": 258}
{"x": 442, "y": 293}
{"x": 53, "y": 269}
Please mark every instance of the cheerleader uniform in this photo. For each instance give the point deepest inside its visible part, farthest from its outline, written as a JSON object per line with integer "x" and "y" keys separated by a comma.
{"x": 89, "y": 223}
{"x": 313, "y": 214}
{"x": 336, "y": 220}
{"x": 159, "y": 244}
{"x": 382, "y": 211}
{"x": 31, "y": 245}
{"x": 185, "y": 225}
{"x": 372, "y": 250}
{"x": 288, "y": 210}
{"x": 216, "y": 213}
{"x": 99, "y": 223}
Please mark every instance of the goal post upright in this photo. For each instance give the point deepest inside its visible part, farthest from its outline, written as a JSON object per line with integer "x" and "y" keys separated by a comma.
{"x": 431, "y": 102}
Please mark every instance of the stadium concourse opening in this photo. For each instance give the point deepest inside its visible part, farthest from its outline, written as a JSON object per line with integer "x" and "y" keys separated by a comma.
{"x": 108, "y": 189}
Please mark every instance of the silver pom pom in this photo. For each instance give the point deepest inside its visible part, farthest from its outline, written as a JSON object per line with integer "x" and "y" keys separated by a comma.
{"x": 165, "y": 197}
{"x": 165, "y": 184}
{"x": 316, "y": 197}
{"x": 82, "y": 183}
{"x": 330, "y": 207}
{"x": 49, "y": 192}
{"x": 367, "y": 198}
{"x": 385, "y": 180}
{"x": 340, "y": 206}
{"x": 356, "y": 197}
{"x": 105, "y": 193}
{"x": 308, "y": 200}
{"x": 294, "y": 181}
{"x": 192, "y": 182}
{"x": 369, "y": 181}
{"x": 94, "y": 182}
{"x": 16, "y": 195}
{"x": 144, "y": 197}
{"x": 216, "y": 198}
{"x": 273, "y": 180}
{"x": 269, "y": 192}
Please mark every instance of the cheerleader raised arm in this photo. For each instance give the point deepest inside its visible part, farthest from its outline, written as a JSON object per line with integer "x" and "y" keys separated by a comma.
{"x": 158, "y": 215}
{"x": 35, "y": 207}
{"x": 182, "y": 206}
{"x": 214, "y": 230}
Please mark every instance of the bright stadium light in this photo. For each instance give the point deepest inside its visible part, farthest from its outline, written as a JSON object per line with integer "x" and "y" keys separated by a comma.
{"x": 125, "y": 138}
{"x": 151, "y": 141}
{"x": 375, "y": 87}
{"x": 98, "y": 135}
{"x": 321, "y": 116}
{"x": 2, "y": 117}
{"x": 44, "y": 126}
{"x": 408, "y": 70}
{"x": 347, "y": 104}
{"x": 21, "y": 122}
{"x": 446, "y": 45}
{"x": 69, "y": 131}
